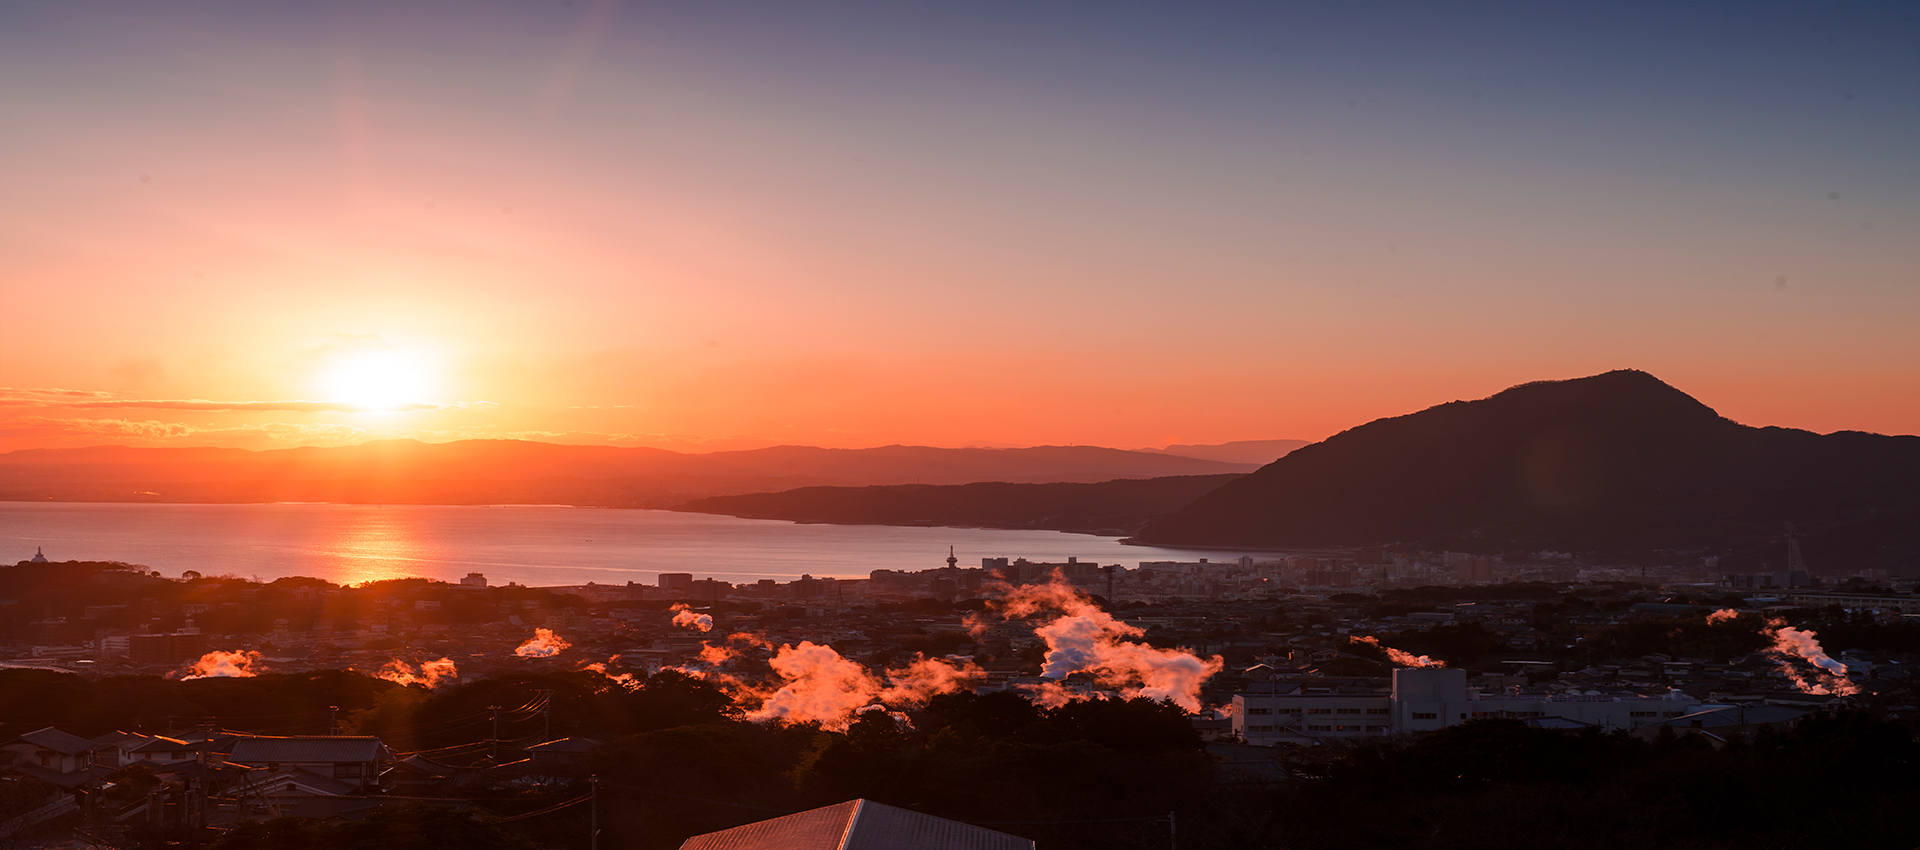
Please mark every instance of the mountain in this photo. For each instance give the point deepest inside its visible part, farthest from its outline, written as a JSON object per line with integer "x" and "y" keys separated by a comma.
{"x": 1110, "y": 507}
{"x": 1618, "y": 464}
{"x": 507, "y": 471}
{"x": 1259, "y": 452}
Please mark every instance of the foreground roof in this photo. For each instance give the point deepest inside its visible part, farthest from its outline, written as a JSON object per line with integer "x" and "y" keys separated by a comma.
{"x": 857, "y": 825}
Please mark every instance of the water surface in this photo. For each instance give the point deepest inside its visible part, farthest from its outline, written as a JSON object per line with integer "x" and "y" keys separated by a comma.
{"x": 533, "y": 545}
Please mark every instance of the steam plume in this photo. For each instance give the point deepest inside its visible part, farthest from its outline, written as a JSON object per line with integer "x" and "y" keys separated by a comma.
{"x": 716, "y": 655}
{"x": 223, "y": 664}
{"x": 1081, "y": 637}
{"x": 685, "y": 616}
{"x": 1789, "y": 642}
{"x": 430, "y": 673}
{"x": 625, "y": 680}
{"x": 543, "y": 644}
{"x": 924, "y": 677}
{"x": 1791, "y": 645}
{"x": 1397, "y": 657}
{"x": 820, "y": 687}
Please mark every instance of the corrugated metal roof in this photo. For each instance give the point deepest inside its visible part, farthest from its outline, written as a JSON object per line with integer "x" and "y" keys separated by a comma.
{"x": 878, "y": 826}
{"x": 857, "y": 825}
{"x": 305, "y": 750}
{"x": 814, "y": 829}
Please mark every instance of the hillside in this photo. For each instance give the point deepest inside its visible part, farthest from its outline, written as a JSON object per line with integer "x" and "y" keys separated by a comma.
{"x": 1111, "y": 507}
{"x": 507, "y": 471}
{"x": 1618, "y": 464}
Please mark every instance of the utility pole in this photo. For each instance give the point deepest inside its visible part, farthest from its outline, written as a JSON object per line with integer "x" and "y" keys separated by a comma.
{"x": 496, "y": 733}
{"x": 593, "y": 809}
{"x": 1173, "y": 833}
{"x": 546, "y": 718}
{"x": 333, "y": 722}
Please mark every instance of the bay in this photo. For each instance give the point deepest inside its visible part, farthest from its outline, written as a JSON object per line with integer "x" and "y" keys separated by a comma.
{"x": 531, "y": 545}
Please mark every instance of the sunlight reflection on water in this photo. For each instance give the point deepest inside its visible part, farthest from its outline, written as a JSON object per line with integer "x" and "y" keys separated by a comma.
{"x": 526, "y": 544}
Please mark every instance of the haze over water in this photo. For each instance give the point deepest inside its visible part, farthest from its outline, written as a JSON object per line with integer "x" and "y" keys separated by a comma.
{"x": 531, "y": 545}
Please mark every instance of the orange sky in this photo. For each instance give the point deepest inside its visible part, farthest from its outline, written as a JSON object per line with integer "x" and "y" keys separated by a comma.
{"x": 719, "y": 227}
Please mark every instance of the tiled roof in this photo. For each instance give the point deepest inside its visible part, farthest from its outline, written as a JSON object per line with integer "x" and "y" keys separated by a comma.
{"x": 857, "y": 825}
{"x": 305, "y": 750}
{"x": 60, "y": 742}
{"x": 291, "y": 782}
{"x": 161, "y": 743}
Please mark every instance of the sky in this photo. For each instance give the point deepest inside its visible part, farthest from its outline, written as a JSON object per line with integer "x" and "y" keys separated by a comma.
{"x": 728, "y": 225}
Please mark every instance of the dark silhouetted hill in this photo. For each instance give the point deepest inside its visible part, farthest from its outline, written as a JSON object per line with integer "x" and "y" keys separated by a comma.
{"x": 509, "y": 471}
{"x": 1111, "y": 507}
{"x": 1617, "y": 464}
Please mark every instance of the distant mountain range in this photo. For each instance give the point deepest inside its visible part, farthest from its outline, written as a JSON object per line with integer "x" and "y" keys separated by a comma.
{"x": 1618, "y": 464}
{"x": 1114, "y": 508}
{"x": 504, "y": 471}
{"x": 1258, "y": 452}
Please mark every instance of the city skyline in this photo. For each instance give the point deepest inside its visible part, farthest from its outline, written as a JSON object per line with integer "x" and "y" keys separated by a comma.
{"x": 714, "y": 227}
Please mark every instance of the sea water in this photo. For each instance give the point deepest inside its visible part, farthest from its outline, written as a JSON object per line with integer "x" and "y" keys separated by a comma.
{"x": 532, "y": 545}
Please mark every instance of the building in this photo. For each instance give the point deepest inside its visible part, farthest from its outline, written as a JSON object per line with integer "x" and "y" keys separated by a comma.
{"x": 166, "y": 649}
{"x": 857, "y": 825}
{"x": 353, "y": 761}
{"x": 51, "y": 750}
{"x": 1424, "y": 699}
{"x": 1882, "y": 601}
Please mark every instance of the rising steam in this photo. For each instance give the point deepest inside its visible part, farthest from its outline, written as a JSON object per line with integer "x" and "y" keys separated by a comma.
{"x": 1791, "y": 645}
{"x": 430, "y": 673}
{"x": 685, "y": 616}
{"x": 1397, "y": 657}
{"x": 1083, "y": 638}
{"x": 819, "y": 686}
{"x": 221, "y": 664}
{"x": 543, "y": 644}
{"x": 624, "y": 680}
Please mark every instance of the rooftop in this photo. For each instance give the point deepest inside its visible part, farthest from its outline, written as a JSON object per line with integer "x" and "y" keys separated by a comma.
{"x": 306, "y": 749}
{"x": 857, "y": 825}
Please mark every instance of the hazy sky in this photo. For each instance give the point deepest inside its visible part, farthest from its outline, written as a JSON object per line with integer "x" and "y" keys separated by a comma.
{"x": 732, "y": 224}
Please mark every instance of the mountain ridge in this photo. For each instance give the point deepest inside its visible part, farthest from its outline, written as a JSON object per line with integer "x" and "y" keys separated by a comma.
{"x": 494, "y": 471}
{"x": 1619, "y": 463}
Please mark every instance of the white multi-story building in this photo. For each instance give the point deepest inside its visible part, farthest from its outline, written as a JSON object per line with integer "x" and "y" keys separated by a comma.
{"x": 1428, "y": 698}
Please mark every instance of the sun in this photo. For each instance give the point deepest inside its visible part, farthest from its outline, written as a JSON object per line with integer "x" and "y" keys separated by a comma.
{"x": 377, "y": 379}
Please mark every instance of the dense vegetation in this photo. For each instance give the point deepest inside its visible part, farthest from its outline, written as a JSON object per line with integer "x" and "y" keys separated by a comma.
{"x": 677, "y": 761}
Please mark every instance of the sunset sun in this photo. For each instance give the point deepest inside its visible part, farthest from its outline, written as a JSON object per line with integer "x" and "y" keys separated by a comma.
{"x": 377, "y": 379}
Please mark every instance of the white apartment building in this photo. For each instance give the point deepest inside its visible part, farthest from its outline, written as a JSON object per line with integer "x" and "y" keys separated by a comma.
{"x": 1428, "y": 698}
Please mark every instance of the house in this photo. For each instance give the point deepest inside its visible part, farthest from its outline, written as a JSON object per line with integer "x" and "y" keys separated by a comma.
{"x": 355, "y": 761}
{"x": 857, "y": 825}
{"x": 158, "y": 750}
{"x": 51, "y": 750}
{"x": 419, "y": 776}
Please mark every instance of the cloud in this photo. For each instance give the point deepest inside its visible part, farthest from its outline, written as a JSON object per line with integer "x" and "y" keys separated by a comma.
{"x": 46, "y": 427}
{"x": 85, "y": 400}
